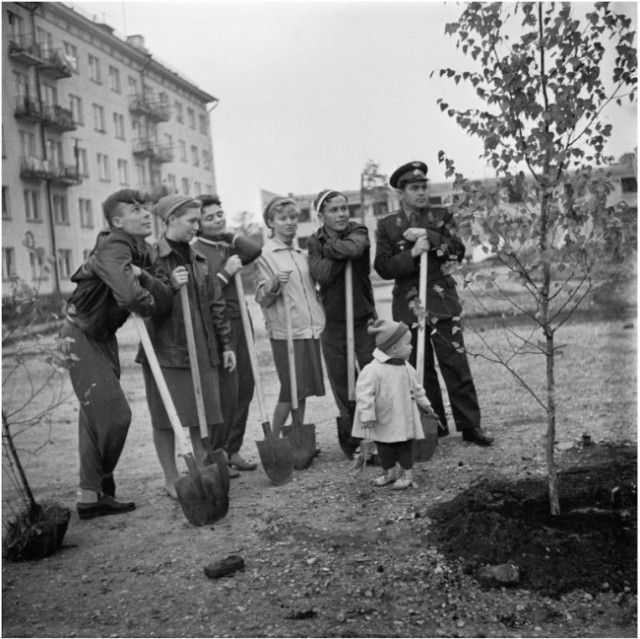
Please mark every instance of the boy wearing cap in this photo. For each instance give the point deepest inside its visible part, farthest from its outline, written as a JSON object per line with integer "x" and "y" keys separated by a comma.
{"x": 336, "y": 242}
{"x": 388, "y": 403}
{"x": 402, "y": 237}
{"x": 111, "y": 284}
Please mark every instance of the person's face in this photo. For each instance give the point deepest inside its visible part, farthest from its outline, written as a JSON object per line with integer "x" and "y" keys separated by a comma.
{"x": 213, "y": 220}
{"x": 414, "y": 194}
{"x": 285, "y": 223}
{"x": 185, "y": 227}
{"x": 335, "y": 213}
{"x": 134, "y": 219}
{"x": 403, "y": 347}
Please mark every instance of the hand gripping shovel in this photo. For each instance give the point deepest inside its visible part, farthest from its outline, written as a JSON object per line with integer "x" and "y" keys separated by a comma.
{"x": 198, "y": 501}
{"x": 216, "y": 460}
{"x": 348, "y": 444}
{"x": 301, "y": 436}
{"x": 275, "y": 454}
{"x": 423, "y": 449}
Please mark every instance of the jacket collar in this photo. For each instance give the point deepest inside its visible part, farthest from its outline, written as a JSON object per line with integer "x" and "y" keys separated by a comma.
{"x": 164, "y": 249}
{"x": 323, "y": 234}
{"x": 383, "y": 358}
{"x": 274, "y": 244}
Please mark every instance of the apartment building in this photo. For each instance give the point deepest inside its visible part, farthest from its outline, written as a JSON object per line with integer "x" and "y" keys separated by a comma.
{"x": 85, "y": 113}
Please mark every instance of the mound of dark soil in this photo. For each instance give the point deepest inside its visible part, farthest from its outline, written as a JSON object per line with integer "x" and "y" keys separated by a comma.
{"x": 591, "y": 545}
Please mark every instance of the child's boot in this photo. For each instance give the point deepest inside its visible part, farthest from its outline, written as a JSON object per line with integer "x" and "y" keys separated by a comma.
{"x": 388, "y": 476}
{"x": 404, "y": 481}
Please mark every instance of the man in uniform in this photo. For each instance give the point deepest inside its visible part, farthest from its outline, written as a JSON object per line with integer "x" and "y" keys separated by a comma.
{"x": 402, "y": 236}
{"x": 111, "y": 283}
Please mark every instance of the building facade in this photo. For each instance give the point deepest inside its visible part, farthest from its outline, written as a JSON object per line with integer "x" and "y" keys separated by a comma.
{"x": 84, "y": 114}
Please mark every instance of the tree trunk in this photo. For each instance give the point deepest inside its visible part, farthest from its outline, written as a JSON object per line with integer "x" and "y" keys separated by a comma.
{"x": 554, "y": 502}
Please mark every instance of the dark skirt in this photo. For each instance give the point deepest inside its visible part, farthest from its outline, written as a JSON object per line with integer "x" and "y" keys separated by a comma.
{"x": 180, "y": 386}
{"x": 308, "y": 367}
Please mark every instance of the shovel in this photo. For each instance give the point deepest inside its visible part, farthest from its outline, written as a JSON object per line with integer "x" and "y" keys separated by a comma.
{"x": 423, "y": 449}
{"x": 348, "y": 444}
{"x": 301, "y": 436}
{"x": 275, "y": 454}
{"x": 197, "y": 492}
{"x": 215, "y": 457}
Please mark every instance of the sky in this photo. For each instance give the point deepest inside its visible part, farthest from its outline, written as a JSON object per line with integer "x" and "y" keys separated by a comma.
{"x": 310, "y": 91}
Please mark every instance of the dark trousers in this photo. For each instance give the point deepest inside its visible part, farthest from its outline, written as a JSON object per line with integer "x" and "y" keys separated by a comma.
{"x": 391, "y": 452}
{"x": 105, "y": 415}
{"x": 455, "y": 372}
{"x": 236, "y": 391}
{"x": 334, "y": 349}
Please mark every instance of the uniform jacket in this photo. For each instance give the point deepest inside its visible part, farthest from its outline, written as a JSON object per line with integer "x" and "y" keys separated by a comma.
{"x": 218, "y": 249}
{"x": 167, "y": 331}
{"x": 394, "y": 261}
{"x": 107, "y": 291}
{"x": 307, "y": 316}
{"x": 389, "y": 394}
{"x": 327, "y": 259}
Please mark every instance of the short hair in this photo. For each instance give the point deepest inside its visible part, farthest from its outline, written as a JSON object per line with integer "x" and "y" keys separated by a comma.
{"x": 123, "y": 196}
{"x": 274, "y": 206}
{"x": 324, "y": 196}
{"x": 208, "y": 199}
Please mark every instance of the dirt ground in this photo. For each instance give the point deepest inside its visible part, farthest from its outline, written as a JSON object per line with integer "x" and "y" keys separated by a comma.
{"x": 326, "y": 554}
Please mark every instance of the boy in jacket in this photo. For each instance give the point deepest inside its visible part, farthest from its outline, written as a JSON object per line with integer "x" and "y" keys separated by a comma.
{"x": 335, "y": 243}
{"x": 111, "y": 284}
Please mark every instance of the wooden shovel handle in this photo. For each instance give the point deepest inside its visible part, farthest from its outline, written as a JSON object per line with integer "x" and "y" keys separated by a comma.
{"x": 422, "y": 323}
{"x": 193, "y": 360}
{"x": 348, "y": 296}
{"x": 169, "y": 406}
{"x": 251, "y": 346}
{"x": 291, "y": 356}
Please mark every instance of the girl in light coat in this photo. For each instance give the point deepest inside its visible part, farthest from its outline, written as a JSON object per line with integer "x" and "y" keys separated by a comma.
{"x": 388, "y": 403}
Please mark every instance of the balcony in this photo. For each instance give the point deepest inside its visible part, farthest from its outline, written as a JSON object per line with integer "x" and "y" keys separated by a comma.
{"x": 66, "y": 175}
{"x": 163, "y": 154}
{"x": 23, "y": 48}
{"x": 154, "y": 110}
{"x": 58, "y": 118}
{"x": 27, "y": 109}
{"x": 36, "y": 169}
{"x": 147, "y": 148}
{"x": 153, "y": 192}
{"x": 55, "y": 64}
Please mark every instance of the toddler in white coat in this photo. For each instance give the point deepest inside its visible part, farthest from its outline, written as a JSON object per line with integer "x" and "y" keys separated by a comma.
{"x": 388, "y": 403}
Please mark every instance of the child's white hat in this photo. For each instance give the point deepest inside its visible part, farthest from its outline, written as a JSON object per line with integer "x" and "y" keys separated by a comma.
{"x": 387, "y": 332}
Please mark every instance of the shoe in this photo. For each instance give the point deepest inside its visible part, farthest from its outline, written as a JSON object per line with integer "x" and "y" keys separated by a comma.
{"x": 233, "y": 472}
{"x": 106, "y": 505}
{"x": 108, "y": 486}
{"x": 404, "y": 481}
{"x": 477, "y": 436}
{"x": 388, "y": 477}
{"x": 170, "y": 489}
{"x": 237, "y": 462}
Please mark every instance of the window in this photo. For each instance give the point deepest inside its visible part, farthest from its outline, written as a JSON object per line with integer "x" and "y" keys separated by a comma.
{"x": 164, "y": 98}
{"x": 149, "y": 92}
{"x": 98, "y": 118}
{"x": 50, "y": 95}
{"x": 8, "y": 262}
{"x": 191, "y": 116}
{"x": 118, "y": 123}
{"x": 168, "y": 140}
{"x": 103, "y": 167}
{"x": 77, "y": 112}
{"x": 60, "y": 209}
{"x": 185, "y": 186}
{"x": 85, "y": 254}
{"x": 197, "y": 188}
{"x": 45, "y": 40}
{"x": 203, "y": 123}
{"x": 15, "y": 25}
{"x": 133, "y": 86}
{"x": 114, "y": 79}
{"x": 32, "y": 205}
{"x": 206, "y": 159}
{"x": 123, "y": 172}
{"x": 83, "y": 162}
{"x": 86, "y": 213}
{"x": 135, "y": 125}
{"x": 6, "y": 204}
{"x": 305, "y": 214}
{"x": 71, "y": 55}
{"x": 141, "y": 173}
{"x": 21, "y": 81}
{"x": 208, "y": 188}
{"x": 36, "y": 262}
{"x": 183, "y": 150}
{"x": 195, "y": 156}
{"x": 64, "y": 263}
{"x": 179, "y": 114}
{"x": 171, "y": 181}
{"x": 55, "y": 152}
{"x": 629, "y": 185}
{"x": 28, "y": 143}
{"x": 94, "y": 69}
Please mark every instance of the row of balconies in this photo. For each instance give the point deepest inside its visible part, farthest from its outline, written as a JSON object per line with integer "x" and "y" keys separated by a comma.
{"x": 52, "y": 116}
{"x": 36, "y": 169}
{"x": 52, "y": 62}
{"x": 148, "y": 148}
{"x": 156, "y": 111}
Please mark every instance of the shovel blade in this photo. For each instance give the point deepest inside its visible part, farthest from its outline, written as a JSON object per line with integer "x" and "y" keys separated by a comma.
{"x": 277, "y": 459}
{"x": 423, "y": 449}
{"x": 303, "y": 444}
{"x": 348, "y": 444}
